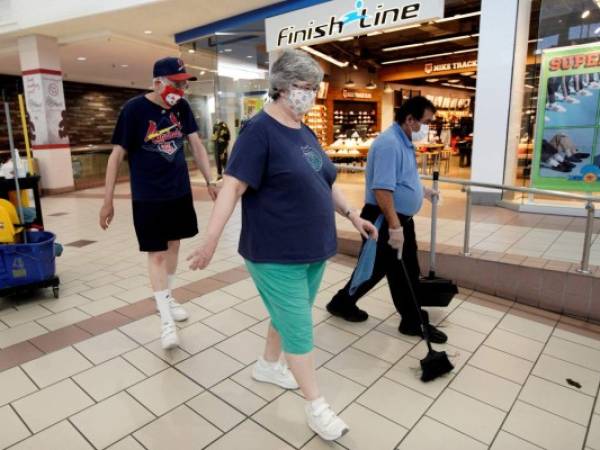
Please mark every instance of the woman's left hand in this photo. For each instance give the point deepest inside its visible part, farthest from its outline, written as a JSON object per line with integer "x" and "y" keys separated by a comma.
{"x": 364, "y": 227}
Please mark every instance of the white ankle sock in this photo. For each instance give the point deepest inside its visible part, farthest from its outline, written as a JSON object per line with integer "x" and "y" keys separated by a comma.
{"x": 263, "y": 362}
{"x": 314, "y": 404}
{"x": 162, "y": 302}
{"x": 170, "y": 282}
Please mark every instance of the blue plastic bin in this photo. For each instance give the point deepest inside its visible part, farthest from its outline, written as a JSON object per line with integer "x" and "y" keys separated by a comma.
{"x": 22, "y": 264}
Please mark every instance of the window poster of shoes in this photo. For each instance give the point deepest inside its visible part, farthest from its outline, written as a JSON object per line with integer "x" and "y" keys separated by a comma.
{"x": 567, "y": 145}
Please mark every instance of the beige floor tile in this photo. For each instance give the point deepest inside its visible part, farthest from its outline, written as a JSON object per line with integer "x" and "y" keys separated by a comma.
{"x": 217, "y": 301}
{"x": 582, "y": 339}
{"x": 254, "y": 308}
{"x": 14, "y": 384}
{"x": 111, "y": 420}
{"x": 385, "y": 396}
{"x": 216, "y": 411}
{"x": 209, "y": 367}
{"x": 574, "y": 353}
{"x": 488, "y": 307}
{"x": 145, "y": 361}
{"x": 286, "y": 418}
{"x": 559, "y": 371}
{"x": 527, "y": 325}
{"x": 337, "y": 390}
{"x": 106, "y": 346}
{"x": 13, "y": 430}
{"x": 198, "y": 337}
{"x": 62, "y": 436}
{"x": 377, "y": 308}
{"x": 144, "y": 330}
{"x": 65, "y": 302}
{"x": 462, "y": 337}
{"x": 52, "y": 404}
{"x": 246, "y": 347}
{"x": 558, "y": 400}
{"x": 172, "y": 356}
{"x": 195, "y": 315}
{"x": 101, "y": 306}
{"x": 265, "y": 390}
{"x": 457, "y": 356}
{"x": 164, "y": 391}
{"x": 230, "y": 322}
{"x": 103, "y": 281}
{"x": 25, "y": 315}
{"x": 317, "y": 443}
{"x": 514, "y": 344}
{"x": 108, "y": 378}
{"x": 359, "y": 329}
{"x": 332, "y": 339}
{"x": 502, "y": 364}
{"x": 261, "y": 329}
{"x": 383, "y": 346}
{"x": 20, "y": 333}
{"x": 407, "y": 372}
{"x": 238, "y": 397}
{"x": 429, "y": 434}
{"x": 245, "y": 289}
{"x": 507, "y": 441}
{"x": 593, "y": 438}
{"x": 128, "y": 443}
{"x": 543, "y": 428}
{"x": 486, "y": 387}
{"x": 56, "y": 366}
{"x": 470, "y": 416}
{"x": 63, "y": 319}
{"x": 181, "y": 429}
{"x": 358, "y": 366}
{"x": 472, "y": 320}
{"x": 135, "y": 295}
{"x": 102, "y": 292}
{"x": 369, "y": 430}
{"x": 133, "y": 282}
{"x": 249, "y": 436}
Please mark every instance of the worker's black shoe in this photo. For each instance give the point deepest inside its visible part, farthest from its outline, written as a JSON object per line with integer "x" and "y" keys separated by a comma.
{"x": 435, "y": 336}
{"x": 349, "y": 312}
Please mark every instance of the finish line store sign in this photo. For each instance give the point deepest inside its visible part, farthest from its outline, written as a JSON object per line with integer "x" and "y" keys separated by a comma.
{"x": 342, "y": 18}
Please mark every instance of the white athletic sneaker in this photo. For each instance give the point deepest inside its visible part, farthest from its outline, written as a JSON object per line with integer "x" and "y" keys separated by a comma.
{"x": 556, "y": 107}
{"x": 323, "y": 421}
{"x": 178, "y": 312}
{"x": 572, "y": 100}
{"x": 277, "y": 374}
{"x": 169, "y": 337}
{"x": 585, "y": 93}
{"x": 593, "y": 85}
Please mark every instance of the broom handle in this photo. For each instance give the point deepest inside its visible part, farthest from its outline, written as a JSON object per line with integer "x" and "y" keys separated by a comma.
{"x": 415, "y": 301}
{"x": 13, "y": 155}
{"x": 434, "y": 216}
{"x": 25, "y": 133}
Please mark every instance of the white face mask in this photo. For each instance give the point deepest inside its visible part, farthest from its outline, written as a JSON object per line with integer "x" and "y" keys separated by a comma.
{"x": 301, "y": 100}
{"x": 422, "y": 134}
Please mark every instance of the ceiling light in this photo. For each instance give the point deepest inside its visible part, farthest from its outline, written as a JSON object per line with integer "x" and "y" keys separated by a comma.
{"x": 407, "y": 27}
{"x": 374, "y": 33}
{"x": 474, "y": 77}
{"x": 371, "y": 85}
{"x": 434, "y": 56}
{"x": 432, "y": 80}
{"x": 249, "y": 56}
{"x": 354, "y": 66}
{"x": 461, "y": 86}
{"x": 435, "y": 41}
{"x": 388, "y": 89}
{"x": 585, "y": 14}
{"x": 468, "y": 50}
{"x": 124, "y": 65}
{"x": 396, "y": 61}
{"x": 81, "y": 58}
{"x": 458, "y": 17}
{"x": 227, "y": 50}
{"x": 203, "y": 72}
{"x": 148, "y": 32}
{"x": 191, "y": 50}
{"x": 597, "y": 30}
{"x": 467, "y": 74}
{"x": 325, "y": 57}
{"x": 348, "y": 38}
{"x": 454, "y": 80}
{"x": 349, "y": 83}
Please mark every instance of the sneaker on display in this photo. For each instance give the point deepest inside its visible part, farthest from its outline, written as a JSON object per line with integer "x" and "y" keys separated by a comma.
{"x": 585, "y": 93}
{"x": 556, "y": 107}
{"x": 168, "y": 338}
{"x": 323, "y": 421}
{"x": 572, "y": 100}
{"x": 274, "y": 373}
{"x": 559, "y": 96}
{"x": 593, "y": 85}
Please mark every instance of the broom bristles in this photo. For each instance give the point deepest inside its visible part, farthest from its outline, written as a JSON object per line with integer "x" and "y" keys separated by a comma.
{"x": 434, "y": 365}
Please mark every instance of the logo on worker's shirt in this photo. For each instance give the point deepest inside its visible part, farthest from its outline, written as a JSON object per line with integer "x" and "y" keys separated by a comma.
{"x": 164, "y": 137}
{"x": 313, "y": 157}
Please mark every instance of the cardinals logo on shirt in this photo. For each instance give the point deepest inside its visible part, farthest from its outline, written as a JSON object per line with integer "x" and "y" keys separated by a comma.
{"x": 164, "y": 137}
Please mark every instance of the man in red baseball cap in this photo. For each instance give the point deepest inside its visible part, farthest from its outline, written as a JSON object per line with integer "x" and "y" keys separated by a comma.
{"x": 151, "y": 130}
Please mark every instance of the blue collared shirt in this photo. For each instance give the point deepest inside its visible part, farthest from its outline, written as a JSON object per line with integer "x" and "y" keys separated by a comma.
{"x": 392, "y": 166}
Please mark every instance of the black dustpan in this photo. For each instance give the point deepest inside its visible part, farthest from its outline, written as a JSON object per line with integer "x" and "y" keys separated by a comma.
{"x": 433, "y": 290}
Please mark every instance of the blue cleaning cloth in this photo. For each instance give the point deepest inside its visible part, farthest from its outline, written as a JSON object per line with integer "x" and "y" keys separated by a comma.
{"x": 366, "y": 261}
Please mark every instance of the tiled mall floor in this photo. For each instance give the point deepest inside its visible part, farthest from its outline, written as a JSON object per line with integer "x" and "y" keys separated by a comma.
{"x": 96, "y": 378}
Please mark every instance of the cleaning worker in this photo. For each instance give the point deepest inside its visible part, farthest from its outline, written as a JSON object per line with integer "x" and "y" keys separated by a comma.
{"x": 151, "y": 130}
{"x": 394, "y": 190}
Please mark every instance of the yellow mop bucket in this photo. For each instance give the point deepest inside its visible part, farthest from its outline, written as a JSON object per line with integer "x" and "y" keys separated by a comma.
{"x": 9, "y": 222}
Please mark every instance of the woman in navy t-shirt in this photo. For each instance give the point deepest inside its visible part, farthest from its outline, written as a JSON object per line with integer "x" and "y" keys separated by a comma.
{"x": 289, "y": 200}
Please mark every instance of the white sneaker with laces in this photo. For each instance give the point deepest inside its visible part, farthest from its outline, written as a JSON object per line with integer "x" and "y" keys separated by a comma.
{"x": 572, "y": 100}
{"x": 169, "y": 339}
{"x": 323, "y": 421}
{"x": 274, "y": 373}
{"x": 178, "y": 312}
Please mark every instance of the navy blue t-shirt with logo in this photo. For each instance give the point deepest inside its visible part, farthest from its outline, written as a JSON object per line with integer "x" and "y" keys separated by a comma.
{"x": 288, "y": 216}
{"x": 153, "y": 137}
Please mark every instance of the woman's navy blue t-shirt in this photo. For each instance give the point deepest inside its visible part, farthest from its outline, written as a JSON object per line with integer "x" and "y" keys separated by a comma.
{"x": 153, "y": 137}
{"x": 288, "y": 216}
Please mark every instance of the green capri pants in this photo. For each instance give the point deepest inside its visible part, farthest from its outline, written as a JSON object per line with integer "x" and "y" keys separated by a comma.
{"x": 288, "y": 292}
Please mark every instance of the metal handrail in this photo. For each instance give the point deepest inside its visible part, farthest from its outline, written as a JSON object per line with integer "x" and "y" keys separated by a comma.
{"x": 467, "y": 188}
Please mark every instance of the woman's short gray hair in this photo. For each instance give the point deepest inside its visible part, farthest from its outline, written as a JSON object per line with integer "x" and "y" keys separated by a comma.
{"x": 291, "y": 67}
